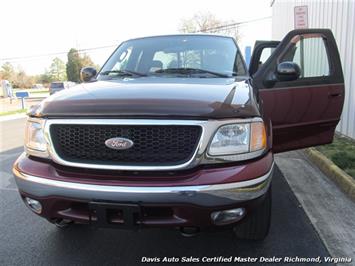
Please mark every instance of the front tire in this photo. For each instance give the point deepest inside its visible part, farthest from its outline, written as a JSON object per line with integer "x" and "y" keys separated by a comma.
{"x": 255, "y": 226}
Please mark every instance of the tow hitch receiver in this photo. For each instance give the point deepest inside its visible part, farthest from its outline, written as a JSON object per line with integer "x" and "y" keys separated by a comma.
{"x": 115, "y": 215}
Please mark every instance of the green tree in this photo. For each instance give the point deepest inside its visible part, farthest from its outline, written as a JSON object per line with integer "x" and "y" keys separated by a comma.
{"x": 44, "y": 78}
{"x": 75, "y": 63}
{"x": 57, "y": 70}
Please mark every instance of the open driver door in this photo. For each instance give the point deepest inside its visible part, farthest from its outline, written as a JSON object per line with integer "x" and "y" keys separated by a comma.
{"x": 300, "y": 88}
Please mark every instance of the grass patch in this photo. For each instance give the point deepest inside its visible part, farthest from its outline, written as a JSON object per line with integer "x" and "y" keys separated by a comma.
{"x": 342, "y": 153}
{"x": 32, "y": 91}
{"x": 38, "y": 91}
{"x": 20, "y": 111}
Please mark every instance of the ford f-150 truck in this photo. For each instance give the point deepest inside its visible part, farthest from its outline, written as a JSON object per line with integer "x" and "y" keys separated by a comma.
{"x": 175, "y": 131}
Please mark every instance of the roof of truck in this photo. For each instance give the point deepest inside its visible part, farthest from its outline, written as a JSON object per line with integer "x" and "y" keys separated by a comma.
{"x": 183, "y": 34}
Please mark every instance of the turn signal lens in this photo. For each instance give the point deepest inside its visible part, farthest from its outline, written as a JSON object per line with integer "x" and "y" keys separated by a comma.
{"x": 258, "y": 136}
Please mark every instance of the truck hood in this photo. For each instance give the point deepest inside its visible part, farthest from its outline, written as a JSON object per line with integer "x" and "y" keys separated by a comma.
{"x": 191, "y": 98}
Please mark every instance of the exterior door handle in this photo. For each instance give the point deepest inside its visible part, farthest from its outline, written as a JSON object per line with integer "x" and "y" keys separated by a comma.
{"x": 334, "y": 94}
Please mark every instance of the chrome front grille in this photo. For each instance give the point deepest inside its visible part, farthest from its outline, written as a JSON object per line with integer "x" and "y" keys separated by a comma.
{"x": 154, "y": 145}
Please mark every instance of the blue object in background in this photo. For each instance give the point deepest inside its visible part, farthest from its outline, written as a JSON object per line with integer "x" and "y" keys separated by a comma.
{"x": 247, "y": 55}
{"x": 22, "y": 95}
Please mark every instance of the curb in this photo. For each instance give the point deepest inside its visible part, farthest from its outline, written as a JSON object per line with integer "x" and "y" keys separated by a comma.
{"x": 12, "y": 117}
{"x": 344, "y": 181}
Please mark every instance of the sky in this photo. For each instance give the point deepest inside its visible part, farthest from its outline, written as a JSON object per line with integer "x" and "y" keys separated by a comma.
{"x": 37, "y": 27}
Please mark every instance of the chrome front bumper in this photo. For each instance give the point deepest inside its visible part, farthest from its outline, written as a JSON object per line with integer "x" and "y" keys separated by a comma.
{"x": 202, "y": 195}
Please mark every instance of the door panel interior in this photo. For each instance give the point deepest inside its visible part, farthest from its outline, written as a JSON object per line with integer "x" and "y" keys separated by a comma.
{"x": 303, "y": 112}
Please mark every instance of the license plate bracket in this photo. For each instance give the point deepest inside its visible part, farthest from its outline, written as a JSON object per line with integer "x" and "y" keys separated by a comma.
{"x": 130, "y": 214}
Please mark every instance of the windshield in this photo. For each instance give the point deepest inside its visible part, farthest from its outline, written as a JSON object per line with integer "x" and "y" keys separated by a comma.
{"x": 182, "y": 55}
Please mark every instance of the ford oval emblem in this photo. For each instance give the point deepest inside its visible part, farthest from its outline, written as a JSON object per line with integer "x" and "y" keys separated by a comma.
{"x": 119, "y": 143}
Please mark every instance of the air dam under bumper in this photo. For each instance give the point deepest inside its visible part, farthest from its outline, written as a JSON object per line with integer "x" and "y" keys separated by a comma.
{"x": 58, "y": 195}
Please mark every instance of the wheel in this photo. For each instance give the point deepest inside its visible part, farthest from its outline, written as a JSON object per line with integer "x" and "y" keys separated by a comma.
{"x": 255, "y": 226}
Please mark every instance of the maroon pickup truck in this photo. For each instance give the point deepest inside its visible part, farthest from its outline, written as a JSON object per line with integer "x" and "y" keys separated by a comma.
{"x": 175, "y": 131}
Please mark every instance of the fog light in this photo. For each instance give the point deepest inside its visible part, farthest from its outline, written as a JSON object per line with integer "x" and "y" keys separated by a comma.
{"x": 227, "y": 216}
{"x": 34, "y": 205}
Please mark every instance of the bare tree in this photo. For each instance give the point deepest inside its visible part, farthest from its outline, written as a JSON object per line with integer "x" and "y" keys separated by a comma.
{"x": 209, "y": 23}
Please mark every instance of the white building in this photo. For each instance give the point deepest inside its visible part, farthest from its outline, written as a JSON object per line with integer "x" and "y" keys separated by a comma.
{"x": 337, "y": 15}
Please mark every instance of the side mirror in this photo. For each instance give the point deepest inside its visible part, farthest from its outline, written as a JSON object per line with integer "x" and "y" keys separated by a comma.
{"x": 88, "y": 74}
{"x": 287, "y": 71}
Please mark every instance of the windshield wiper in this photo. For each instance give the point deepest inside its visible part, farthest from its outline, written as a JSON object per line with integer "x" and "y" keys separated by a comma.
{"x": 122, "y": 73}
{"x": 191, "y": 71}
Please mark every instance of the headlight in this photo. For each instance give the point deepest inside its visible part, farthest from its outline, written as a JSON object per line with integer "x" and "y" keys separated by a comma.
{"x": 237, "y": 139}
{"x": 35, "y": 143}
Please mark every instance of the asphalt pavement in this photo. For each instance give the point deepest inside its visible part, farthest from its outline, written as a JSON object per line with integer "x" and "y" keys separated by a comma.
{"x": 26, "y": 239}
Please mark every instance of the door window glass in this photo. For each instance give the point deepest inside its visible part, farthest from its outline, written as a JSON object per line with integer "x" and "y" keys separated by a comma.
{"x": 265, "y": 54}
{"x": 311, "y": 56}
